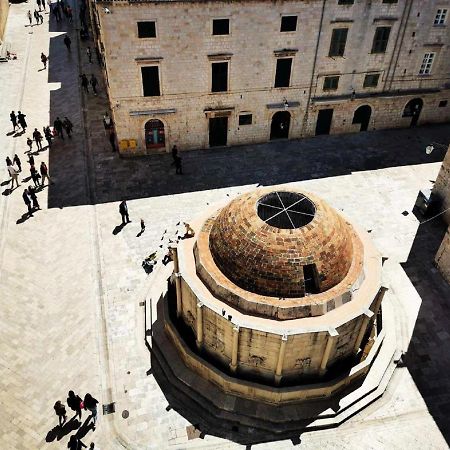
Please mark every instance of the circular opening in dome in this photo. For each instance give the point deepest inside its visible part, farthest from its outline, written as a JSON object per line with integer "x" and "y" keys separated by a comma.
{"x": 286, "y": 210}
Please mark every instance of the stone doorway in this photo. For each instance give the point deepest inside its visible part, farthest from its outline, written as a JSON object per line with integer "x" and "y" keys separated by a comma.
{"x": 323, "y": 124}
{"x": 279, "y": 128}
{"x": 154, "y": 135}
{"x": 413, "y": 109}
{"x": 362, "y": 116}
{"x": 218, "y": 131}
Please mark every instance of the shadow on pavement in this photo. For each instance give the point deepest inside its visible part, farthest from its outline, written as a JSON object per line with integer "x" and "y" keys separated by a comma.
{"x": 428, "y": 359}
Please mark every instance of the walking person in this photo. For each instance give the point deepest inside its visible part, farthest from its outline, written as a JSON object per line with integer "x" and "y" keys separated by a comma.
{"x": 30, "y": 144}
{"x": 14, "y": 174}
{"x": 13, "y": 119}
{"x": 30, "y": 18}
{"x": 44, "y": 60}
{"x": 142, "y": 226}
{"x": 68, "y": 126}
{"x": 74, "y": 402}
{"x": 43, "y": 4}
{"x": 37, "y": 136}
{"x": 33, "y": 197}
{"x": 18, "y": 163}
{"x": 75, "y": 443}
{"x": 21, "y": 120}
{"x": 41, "y": 17}
{"x": 89, "y": 54}
{"x": 174, "y": 154}
{"x": 38, "y": 2}
{"x": 35, "y": 176}
{"x": 67, "y": 42}
{"x": 90, "y": 403}
{"x": 44, "y": 173}
{"x": 178, "y": 167}
{"x": 94, "y": 83}
{"x": 69, "y": 14}
{"x": 31, "y": 160}
{"x": 8, "y": 161}
{"x": 48, "y": 136}
{"x": 123, "y": 209}
{"x": 58, "y": 126}
{"x": 85, "y": 83}
{"x": 36, "y": 17}
{"x": 60, "y": 409}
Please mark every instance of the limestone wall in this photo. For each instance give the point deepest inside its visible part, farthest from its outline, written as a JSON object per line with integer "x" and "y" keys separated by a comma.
{"x": 4, "y": 8}
{"x": 443, "y": 257}
{"x": 442, "y": 186}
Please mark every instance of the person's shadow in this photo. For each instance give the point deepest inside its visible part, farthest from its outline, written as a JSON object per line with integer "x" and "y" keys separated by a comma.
{"x": 23, "y": 219}
{"x": 8, "y": 191}
{"x": 118, "y": 228}
{"x": 59, "y": 432}
{"x": 85, "y": 428}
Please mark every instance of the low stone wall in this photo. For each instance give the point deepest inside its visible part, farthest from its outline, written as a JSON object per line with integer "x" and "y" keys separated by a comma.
{"x": 443, "y": 257}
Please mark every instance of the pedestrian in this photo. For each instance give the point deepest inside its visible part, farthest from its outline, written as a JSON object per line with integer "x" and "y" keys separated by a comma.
{"x": 13, "y": 119}
{"x": 21, "y": 120}
{"x": 33, "y": 197}
{"x": 75, "y": 443}
{"x": 44, "y": 60}
{"x": 31, "y": 160}
{"x": 55, "y": 12}
{"x": 30, "y": 18}
{"x": 30, "y": 144}
{"x": 67, "y": 42}
{"x": 68, "y": 126}
{"x": 107, "y": 121}
{"x": 37, "y": 136}
{"x": 174, "y": 154}
{"x": 75, "y": 403}
{"x": 36, "y": 17}
{"x": 43, "y": 4}
{"x": 112, "y": 139}
{"x": 41, "y": 17}
{"x": 58, "y": 126}
{"x": 14, "y": 174}
{"x": 60, "y": 409}
{"x": 142, "y": 226}
{"x": 90, "y": 402}
{"x": 8, "y": 161}
{"x": 123, "y": 209}
{"x": 39, "y": 4}
{"x": 69, "y": 14}
{"x": 48, "y": 136}
{"x": 178, "y": 167}
{"x": 18, "y": 163}
{"x": 84, "y": 83}
{"x": 44, "y": 173}
{"x": 94, "y": 83}
{"x": 89, "y": 54}
{"x": 35, "y": 176}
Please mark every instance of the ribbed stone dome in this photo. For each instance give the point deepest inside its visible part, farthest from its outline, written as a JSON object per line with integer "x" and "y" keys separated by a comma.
{"x": 282, "y": 243}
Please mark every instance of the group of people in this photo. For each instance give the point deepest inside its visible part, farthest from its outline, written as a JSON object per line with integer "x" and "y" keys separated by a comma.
{"x": 85, "y": 83}
{"x": 37, "y": 16}
{"x": 76, "y": 404}
{"x": 60, "y": 9}
{"x": 18, "y": 121}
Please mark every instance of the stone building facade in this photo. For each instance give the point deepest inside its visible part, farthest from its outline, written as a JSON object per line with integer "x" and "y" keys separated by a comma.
{"x": 201, "y": 74}
{"x": 4, "y": 8}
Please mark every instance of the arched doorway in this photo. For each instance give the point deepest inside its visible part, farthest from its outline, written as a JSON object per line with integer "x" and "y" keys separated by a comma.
{"x": 154, "y": 134}
{"x": 362, "y": 116}
{"x": 280, "y": 125}
{"x": 412, "y": 109}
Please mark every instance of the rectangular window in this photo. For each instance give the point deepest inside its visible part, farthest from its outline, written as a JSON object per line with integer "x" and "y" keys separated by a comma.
{"x": 245, "y": 119}
{"x": 150, "y": 81}
{"x": 221, "y": 27}
{"x": 443, "y": 103}
{"x": 427, "y": 62}
{"x": 283, "y": 73}
{"x": 380, "y": 40}
{"x": 338, "y": 40}
{"x": 345, "y": 2}
{"x": 219, "y": 77}
{"x": 146, "y": 29}
{"x": 288, "y": 23}
{"x": 441, "y": 15}
{"x": 371, "y": 80}
{"x": 330, "y": 83}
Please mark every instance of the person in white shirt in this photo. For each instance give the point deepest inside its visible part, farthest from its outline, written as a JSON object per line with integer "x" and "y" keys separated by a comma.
{"x": 14, "y": 174}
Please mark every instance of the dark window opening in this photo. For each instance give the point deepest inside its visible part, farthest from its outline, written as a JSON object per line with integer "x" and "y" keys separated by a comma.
{"x": 221, "y": 26}
{"x": 371, "y": 80}
{"x": 311, "y": 279}
{"x": 288, "y": 23}
{"x": 245, "y": 119}
{"x": 330, "y": 83}
{"x": 443, "y": 103}
{"x": 338, "y": 41}
{"x": 390, "y": 1}
{"x": 150, "y": 81}
{"x": 380, "y": 40}
{"x": 283, "y": 73}
{"x": 146, "y": 29}
{"x": 219, "y": 77}
{"x": 345, "y": 2}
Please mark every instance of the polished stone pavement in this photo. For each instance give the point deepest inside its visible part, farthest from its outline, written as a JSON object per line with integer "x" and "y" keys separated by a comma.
{"x": 71, "y": 290}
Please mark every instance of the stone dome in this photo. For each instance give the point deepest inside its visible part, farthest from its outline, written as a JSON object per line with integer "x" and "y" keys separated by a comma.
{"x": 282, "y": 243}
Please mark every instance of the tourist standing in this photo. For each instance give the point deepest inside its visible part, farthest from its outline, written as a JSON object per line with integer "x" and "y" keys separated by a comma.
{"x": 90, "y": 403}
{"x": 8, "y": 161}
{"x": 37, "y": 136}
{"x": 84, "y": 83}
{"x": 123, "y": 209}
{"x": 94, "y": 83}
{"x": 30, "y": 17}
{"x": 35, "y": 175}
{"x": 58, "y": 126}
{"x": 30, "y": 144}
{"x": 14, "y": 176}
{"x": 44, "y": 60}
{"x": 44, "y": 173}
{"x": 18, "y": 163}
{"x": 67, "y": 42}
{"x": 60, "y": 409}
{"x": 21, "y": 120}
{"x": 68, "y": 126}
{"x": 48, "y": 135}
{"x": 74, "y": 403}
{"x": 13, "y": 119}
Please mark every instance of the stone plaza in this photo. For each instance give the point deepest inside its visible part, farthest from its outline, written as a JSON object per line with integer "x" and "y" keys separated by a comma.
{"x": 77, "y": 304}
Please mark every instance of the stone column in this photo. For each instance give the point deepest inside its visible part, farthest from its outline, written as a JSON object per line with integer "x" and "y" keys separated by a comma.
{"x": 176, "y": 272}
{"x": 279, "y": 369}
{"x": 199, "y": 325}
{"x": 234, "y": 350}
{"x": 367, "y": 315}
{"x": 331, "y": 343}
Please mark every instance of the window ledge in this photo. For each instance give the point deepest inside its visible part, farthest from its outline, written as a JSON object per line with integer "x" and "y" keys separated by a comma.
{"x": 385, "y": 19}
{"x": 341, "y": 20}
{"x": 148, "y": 59}
{"x": 286, "y": 52}
{"x": 440, "y": 25}
{"x": 220, "y": 56}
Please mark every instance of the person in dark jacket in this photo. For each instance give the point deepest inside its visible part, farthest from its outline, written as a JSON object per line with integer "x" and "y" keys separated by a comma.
{"x": 35, "y": 176}
{"x": 67, "y": 42}
{"x": 123, "y": 209}
{"x": 33, "y": 197}
{"x": 17, "y": 163}
{"x": 37, "y": 136}
{"x": 68, "y": 126}
{"x": 90, "y": 403}
{"x": 74, "y": 403}
{"x": 174, "y": 154}
{"x": 75, "y": 443}
{"x": 48, "y": 135}
{"x": 27, "y": 202}
{"x": 58, "y": 125}
{"x": 21, "y": 120}
{"x": 13, "y": 119}
{"x": 8, "y": 161}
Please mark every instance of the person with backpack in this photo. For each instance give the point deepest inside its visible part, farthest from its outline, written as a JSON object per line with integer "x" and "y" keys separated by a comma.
{"x": 75, "y": 403}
